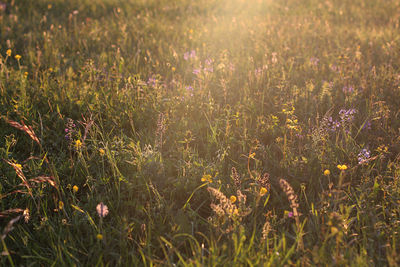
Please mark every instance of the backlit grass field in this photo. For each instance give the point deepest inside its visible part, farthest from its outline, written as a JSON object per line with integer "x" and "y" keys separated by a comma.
{"x": 200, "y": 133}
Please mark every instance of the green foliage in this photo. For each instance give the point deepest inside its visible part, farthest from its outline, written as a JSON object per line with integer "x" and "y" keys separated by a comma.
{"x": 147, "y": 105}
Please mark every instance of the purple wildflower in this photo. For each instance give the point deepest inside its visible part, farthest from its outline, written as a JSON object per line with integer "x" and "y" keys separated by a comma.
{"x": 347, "y": 115}
{"x": 186, "y": 56}
{"x": 151, "y": 81}
{"x": 314, "y": 61}
{"x": 363, "y": 155}
{"x": 348, "y": 89}
{"x": 330, "y": 124}
{"x": 196, "y": 71}
{"x": 208, "y": 65}
{"x": 190, "y": 90}
{"x": 334, "y": 68}
{"x": 367, "y": 126}
{"x": 189, "y": 55}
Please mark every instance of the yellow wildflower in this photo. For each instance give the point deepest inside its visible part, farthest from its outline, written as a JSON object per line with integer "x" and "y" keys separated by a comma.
{"x": 327, "y": 172}
{"x": 206, "y": 178}
{"x": 8, "y": 52}
{"x": 232, "y": 199}
{"x": 173, "y": 69}
{"x": 60, "y": 205}
{"x": 342, "y": 167}
{"x": 236, "y": 212}
{"x": 17, "y": 57}
{"x": 26, "y": 73}
{"x": 99, "y": 236}
{"x": 75, "y": 188}
{"x": 263, "y": 191}
{"x": 78, "y": 144}
{"x": 102, "y": 152}
{"x": 19, "y": 166}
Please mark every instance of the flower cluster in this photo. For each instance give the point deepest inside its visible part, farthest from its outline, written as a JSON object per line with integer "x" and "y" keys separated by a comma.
{"x": 342, "y": 167}
{"x": 347, "y": 115}
{"x": 70, "y": 129}
{"x": 329, "y": 124}
{"x": 363, "y": 155}
{"x": 189, "y": 55}
{"x": 348, "y": 89}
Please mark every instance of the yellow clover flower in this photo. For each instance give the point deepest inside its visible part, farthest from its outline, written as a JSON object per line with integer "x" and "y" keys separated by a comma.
{"x": 263, "y": 191}
{"x": 75, "y": 188}
{"x": 206, "y": 178}
{"x": 342, "y": 167}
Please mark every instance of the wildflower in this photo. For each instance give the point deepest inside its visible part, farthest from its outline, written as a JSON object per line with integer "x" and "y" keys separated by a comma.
{"x": 8, "y": 52}
{"x": 209, "y": 67}
{"x": 232, "y": 199}
{"x": 26, "y": 73}
{"x": 99, "y": 237}
{"x": 196, "y": 71}
{"x": 75, "y": 188}
{"x": 152, "y": 81}
{"x": 19, "y": 166}
{"x": 290, "y": 214}
{"x": 102, "y": 210}
{"x": 348, "y": 89}
{"x": 51, "y": 70}
{"x": 190, "y": 90}
{"x": 206, "y": 178}
{"x": 173, "y": 69}
{"x": 366, "y": 126}
{"x": 314, "y": 61}
{"x": 347, "y": 115}
{"x": 17, "y": 57}
{"x": 263, "y": 191}
{"x": 363, "y": 155}
{"x": 327, "y": 172}
{"x": 264, "y": 182}
{"x": 78, "y": 144}
{"x": 60, "y": 205}
{"x": 102, "y": 152}
{"x": 342, "y": 167}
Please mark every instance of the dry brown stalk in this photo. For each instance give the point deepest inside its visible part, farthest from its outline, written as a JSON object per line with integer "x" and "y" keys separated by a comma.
{"x": 21, "y": 175}
{"x": 264, "y": 181}
{"x": 7, "y": 213}
{"x": 25, "y": 128}
{"x": 292, "y": 198}
{"x": 236, "y": 178}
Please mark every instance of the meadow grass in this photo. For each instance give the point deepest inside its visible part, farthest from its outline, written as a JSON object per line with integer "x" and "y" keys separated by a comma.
{"x": 199, "y": 133}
